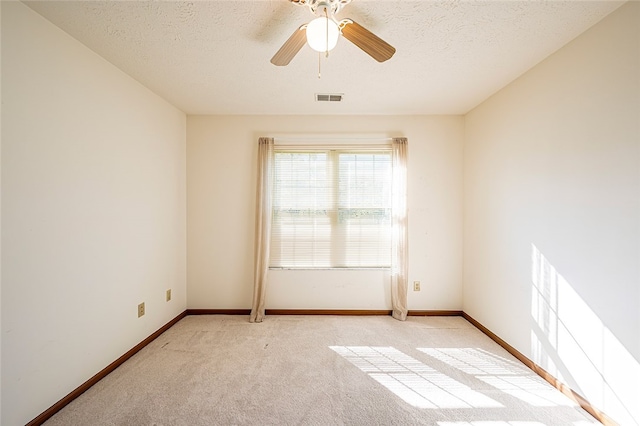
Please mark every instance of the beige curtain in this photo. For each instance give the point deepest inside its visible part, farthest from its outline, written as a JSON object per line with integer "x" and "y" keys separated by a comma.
{"x": 399, "y": 245}
{"x": 263, "y": 227}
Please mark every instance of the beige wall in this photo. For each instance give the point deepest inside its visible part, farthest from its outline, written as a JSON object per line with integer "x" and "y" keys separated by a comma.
{"x": 552, "y": 214}
{"x": 93, "y": 213}
{"x": 221, "y": 182}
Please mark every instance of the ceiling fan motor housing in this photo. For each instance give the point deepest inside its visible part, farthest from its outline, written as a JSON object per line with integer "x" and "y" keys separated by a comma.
{"x": 332, "y": 6}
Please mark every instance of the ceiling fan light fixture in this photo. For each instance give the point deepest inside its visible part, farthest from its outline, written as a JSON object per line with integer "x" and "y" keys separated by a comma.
{"x": 322, "y": 34}
{"x": 317, "y": 34}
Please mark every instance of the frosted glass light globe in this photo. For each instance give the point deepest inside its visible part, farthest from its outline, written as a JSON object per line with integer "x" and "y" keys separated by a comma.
{"x": 317, "y": 34}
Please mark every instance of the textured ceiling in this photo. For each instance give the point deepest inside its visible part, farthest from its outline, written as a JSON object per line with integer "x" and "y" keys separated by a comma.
{"x": 212, "y": 57}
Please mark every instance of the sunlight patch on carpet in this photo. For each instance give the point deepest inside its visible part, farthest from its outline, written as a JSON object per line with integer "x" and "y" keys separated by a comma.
{"x": 508, "y": 376}
{"x": 491, "y": 423}
{"x": 413, "y": 381}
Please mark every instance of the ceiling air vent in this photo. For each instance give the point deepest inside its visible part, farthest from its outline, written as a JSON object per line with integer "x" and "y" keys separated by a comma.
{"x": 329, "y": 97}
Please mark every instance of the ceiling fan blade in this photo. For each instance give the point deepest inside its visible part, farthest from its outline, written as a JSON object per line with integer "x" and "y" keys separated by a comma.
{"x": 290, "y": 47}
{"x": 373, "y": 45}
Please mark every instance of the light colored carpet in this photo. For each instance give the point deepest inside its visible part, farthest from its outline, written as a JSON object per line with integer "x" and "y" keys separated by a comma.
{"x": 322, "y": 370}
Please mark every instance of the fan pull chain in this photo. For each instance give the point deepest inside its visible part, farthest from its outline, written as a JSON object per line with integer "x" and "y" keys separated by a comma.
{"x": 326, "y": 45}
{"x": 326, "y": 32}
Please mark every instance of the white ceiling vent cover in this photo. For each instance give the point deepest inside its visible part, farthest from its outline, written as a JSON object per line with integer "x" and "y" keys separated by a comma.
{"x": 329, "y": 97}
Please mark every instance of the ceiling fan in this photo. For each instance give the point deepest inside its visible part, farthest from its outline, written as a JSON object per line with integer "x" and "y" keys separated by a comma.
{"x": 323, "y": 32}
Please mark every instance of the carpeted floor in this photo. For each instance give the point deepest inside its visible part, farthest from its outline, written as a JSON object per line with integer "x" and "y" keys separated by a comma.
{"x": 322, "y": 370}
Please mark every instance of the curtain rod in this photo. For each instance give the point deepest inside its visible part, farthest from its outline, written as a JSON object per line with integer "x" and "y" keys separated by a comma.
{"x": 330, "y": 138}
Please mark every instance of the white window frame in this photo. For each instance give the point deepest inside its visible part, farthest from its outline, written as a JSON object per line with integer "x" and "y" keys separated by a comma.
{"x": 333, "y": 152}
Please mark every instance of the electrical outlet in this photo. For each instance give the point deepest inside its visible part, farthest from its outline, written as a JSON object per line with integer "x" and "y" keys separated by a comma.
{"x": 168, "y": 295}
{"x": 140, "y": 309}
{"x": 416, "y": 286}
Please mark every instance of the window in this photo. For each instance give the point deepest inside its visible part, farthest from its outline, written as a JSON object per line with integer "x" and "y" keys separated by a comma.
{"x": 331, "y": 209}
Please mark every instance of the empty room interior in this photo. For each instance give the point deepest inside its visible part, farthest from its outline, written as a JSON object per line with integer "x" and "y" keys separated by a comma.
{"x": 131, "y": 173}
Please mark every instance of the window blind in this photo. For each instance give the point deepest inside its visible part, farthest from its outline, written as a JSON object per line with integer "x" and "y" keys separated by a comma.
{"x": 331, "y": 209}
